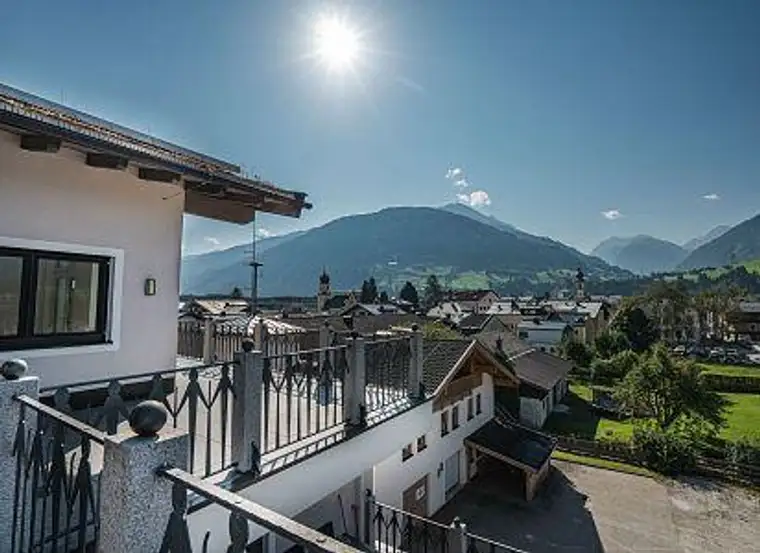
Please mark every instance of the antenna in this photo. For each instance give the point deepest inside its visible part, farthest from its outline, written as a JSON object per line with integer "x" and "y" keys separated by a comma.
{"x": 255, "y": 265}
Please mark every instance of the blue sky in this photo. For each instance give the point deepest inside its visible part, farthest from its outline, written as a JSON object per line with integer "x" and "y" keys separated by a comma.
{"x": 558, "y": 110}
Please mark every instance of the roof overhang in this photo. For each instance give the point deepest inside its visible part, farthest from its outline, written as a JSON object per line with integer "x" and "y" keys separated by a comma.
{"x": 214, "y": 188}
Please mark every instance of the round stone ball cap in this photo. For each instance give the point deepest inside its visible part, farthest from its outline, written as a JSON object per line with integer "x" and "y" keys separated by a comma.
{"x": 248, "y": 345}
{"x": 148, "y": 418}
{"x": 13, "y": 369}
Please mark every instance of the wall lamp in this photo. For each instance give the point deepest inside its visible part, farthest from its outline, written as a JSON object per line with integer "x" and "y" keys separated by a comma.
{"x": 150, "y": 287}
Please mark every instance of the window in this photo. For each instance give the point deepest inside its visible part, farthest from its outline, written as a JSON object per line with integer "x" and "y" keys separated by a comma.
{"x": 455, "y": 417}
{"x": 444, "y": 423}
{"x": 421, "y": 443}
{"x": 478, "y": 406}
{"x": 407, "y": 452}
{"x": 52, "y": 299}
{"x": 470, "y": 413}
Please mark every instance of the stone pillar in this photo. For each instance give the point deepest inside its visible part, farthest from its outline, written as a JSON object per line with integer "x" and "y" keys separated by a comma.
{"x": 458, "y": 536}
{"x": 356, "y": 380}
{"x": 366, "y": 485}
{"x": 415, "y": 386}
{"x": 370, "y": 529}
{"x": 260, "y": 337}
{"x": 12, "y": 384}
{"x": 247, "y": 377}
{"x": 209, "y": 352}
{"x": 135, "y": 503}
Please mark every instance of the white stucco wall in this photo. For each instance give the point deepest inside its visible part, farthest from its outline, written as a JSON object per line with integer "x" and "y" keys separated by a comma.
{"x": 533, "y": 412}
{"x": 293, "y": 489}
{"x": 56, "y": 199}
{"x": 393, "y": 477}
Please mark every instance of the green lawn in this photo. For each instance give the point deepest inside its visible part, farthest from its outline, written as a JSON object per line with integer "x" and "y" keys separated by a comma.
{"x": 730, "y": 370}
{"x": 583, "y": 422}
{"x": 742, "y": 417}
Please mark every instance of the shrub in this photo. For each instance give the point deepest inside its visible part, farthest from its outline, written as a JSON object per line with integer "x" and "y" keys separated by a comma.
{"x": 666, "y": 451}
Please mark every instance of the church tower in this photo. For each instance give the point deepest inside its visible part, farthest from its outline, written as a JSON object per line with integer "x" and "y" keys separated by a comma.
{"x": 324, "y": 293}
{"x": 580, "y": 279}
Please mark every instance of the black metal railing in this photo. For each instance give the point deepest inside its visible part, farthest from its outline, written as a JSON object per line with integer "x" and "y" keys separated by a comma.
{"x": 394, "y": 530}
{"x": 56, "y": 498}
{"x": 242, "y": 513}
{"x": 387, "y": 365}
{"x": 303, "y": 395}
{"x": 198, "y": 399}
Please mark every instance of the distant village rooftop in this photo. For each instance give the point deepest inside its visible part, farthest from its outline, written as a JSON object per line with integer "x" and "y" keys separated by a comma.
{"x": 214, "y": 188}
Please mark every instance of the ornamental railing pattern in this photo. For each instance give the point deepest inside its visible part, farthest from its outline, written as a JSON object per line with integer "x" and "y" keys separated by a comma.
{"x": 302, "y": 395}
{"x": 387, "y": 365}
{"x": 56, "y": 498}
{"x": 391, "y": 530}
{"x": 199, "y": 399}
{"x": 242, "y": 513}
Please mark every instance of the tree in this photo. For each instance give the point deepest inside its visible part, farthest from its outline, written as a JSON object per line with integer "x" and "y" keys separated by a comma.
{"x": 616, "y": 367}
{"x": 636, "y": 326}
{"x": 433, "y": 292}
{"x": 369, "y": 291}
{"x": 236, "y": 293}
{"x": 669, "y": 389}
{"x": 409, "y": 293}
{"x": 383, "y": 297}
{"x": 611, "y": 343}
{"x": 577, "y": 352}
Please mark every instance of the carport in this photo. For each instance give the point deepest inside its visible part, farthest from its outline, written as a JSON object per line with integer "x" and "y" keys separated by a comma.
{"x": 521, "y": 449}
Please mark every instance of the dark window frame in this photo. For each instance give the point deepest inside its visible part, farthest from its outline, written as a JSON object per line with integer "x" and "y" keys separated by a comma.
{"x": 478, "y": 405}
{"x": 455, "y": 417}
{"x": 421, "y": 443}
{"x": 470, "y": 410}
{"x": 25, "y": 337}
{"x": 407, "y": 453}
{"x": 444, "y": 423}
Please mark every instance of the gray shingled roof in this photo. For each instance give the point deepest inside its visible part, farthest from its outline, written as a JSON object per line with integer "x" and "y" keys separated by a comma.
{"x": 439, "y": 357}
{"x": 541, "y": 369}
{"x": 474, "y": 321}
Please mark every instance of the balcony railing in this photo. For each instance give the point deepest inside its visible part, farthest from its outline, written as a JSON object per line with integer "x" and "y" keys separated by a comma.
{"x": 242, "y": 512}
{"x": 303, "y": 395}
{"x": 199, "y": 399}
{"x": 56, "y": 504}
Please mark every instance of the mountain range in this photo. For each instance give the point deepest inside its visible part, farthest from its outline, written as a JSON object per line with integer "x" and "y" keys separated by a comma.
{"x": 464, "y": 247}
{"x": 738, "y": 244}
{"x": 461, "y": 245}
{"x": 643, "y": 254}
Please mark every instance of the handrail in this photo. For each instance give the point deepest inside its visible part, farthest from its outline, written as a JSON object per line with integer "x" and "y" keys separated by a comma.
{"x": 281, "y": 525}
{"x": 413, "y": 516}
{"x": 494, "y": 545}
{"x": 176, "y": 370}
{"x": 92, "y": 433}
{"x": 305, "y": 352}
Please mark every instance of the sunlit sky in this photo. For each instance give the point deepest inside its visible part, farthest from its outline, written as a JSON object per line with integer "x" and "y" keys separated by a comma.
{"x": 577, "y": 120}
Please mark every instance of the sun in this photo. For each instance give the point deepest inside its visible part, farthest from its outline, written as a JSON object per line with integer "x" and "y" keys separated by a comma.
{"x": 337, "y": 45}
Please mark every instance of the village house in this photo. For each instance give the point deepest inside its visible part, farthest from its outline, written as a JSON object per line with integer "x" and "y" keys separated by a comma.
{"x": 90, "y": 237}
{"x": 474, "y": 301}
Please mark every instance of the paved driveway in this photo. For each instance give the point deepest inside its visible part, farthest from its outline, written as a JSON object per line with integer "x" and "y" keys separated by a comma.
{"x": 588, "y": 509}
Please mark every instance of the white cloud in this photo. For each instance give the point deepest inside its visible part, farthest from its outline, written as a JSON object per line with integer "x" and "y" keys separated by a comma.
{"x": 711, "y": 197}
{"x": 211, "y": 240}
{"x": 477, "y": 198}
{"x": 263, "y": 233}
{"x": 457, "y": 177}
{"x": 612, "y": 214}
